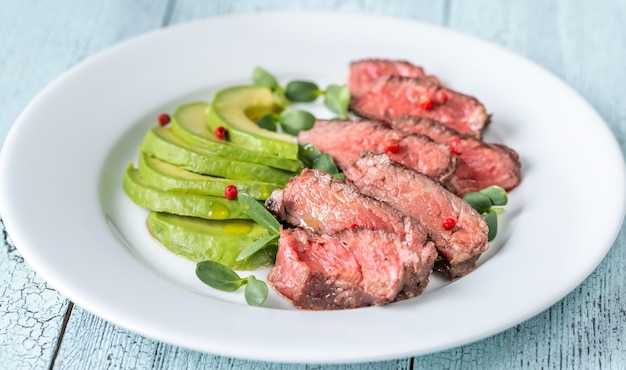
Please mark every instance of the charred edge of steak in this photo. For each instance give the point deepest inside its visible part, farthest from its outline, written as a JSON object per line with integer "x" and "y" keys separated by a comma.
{"x": 417, "y": 277}
{"x": 274, "y": 203}
{"x": 487, "y": 124}
{"x": 454, "y": 271}
{"x": 319, "y": 289}
{"x": 320, "y": 293}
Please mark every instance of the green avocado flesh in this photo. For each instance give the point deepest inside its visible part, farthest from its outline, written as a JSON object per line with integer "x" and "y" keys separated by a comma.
{"x": 161, "y": 143}
{"x": 166, "y": 176}
{"x": 238, "y": 108}
{"x": 189, "y": 124}
{"x": 216, "y": 240}
{"x": 183, "y": 171}
{"x": 185, "y": 204}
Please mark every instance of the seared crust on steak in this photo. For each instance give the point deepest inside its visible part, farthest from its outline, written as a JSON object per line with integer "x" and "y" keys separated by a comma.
{"x": 316, "y": 201}
{"x": 344, "y": 140}
{"x": 349, "y": 269}
{"x": 394, "y": 96}
{"x": 364, "y": 73}
{"x": 427, "y": 201}
{"x": 479, "y": 164}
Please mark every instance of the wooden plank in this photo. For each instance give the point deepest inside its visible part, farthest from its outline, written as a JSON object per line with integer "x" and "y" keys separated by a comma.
{"x": 587, "y": 328}
{"x": 594, "y": 44}
{"x": 31, "y": 313}
{"x": 105, "y": 345}
{"x": 41, "y": 40}
{"x": 427, "y": 11}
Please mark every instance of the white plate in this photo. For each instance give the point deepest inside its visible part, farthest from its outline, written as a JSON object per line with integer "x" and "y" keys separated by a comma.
{"x": 63, "y": 204}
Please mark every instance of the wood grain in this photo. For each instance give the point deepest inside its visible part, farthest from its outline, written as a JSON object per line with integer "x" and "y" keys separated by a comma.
{"x": 31, "y": 314}
{"x": 579, "y": 41}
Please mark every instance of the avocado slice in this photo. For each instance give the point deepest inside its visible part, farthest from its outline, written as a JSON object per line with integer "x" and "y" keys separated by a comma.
{"x": 161, "y": 143}
{"x": 217, "y": 240}
{"x": 185, "y": 204}
{"x": 189, "y": 124}
{"x": 166, "y": 176}
{"x": 238, "y": 108}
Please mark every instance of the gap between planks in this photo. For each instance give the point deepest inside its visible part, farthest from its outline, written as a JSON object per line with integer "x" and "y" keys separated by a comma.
{"x": 57, "y": 348}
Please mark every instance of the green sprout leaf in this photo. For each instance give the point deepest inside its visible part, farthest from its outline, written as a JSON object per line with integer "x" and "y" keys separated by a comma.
{"x": 308, "y": 153}
{"x": 223, "y": 278}
{"x": 492, "y": 222}
{"x": 302, "y": 91}
{"x": 257, "y": 245}
{"x": 480, "y": 202}
{"x": 256, "y": 291}
{"x": 278, "y": 96}
{"x": 294, "y": 120}
{"x": 339, "y": 176}
{"x": 268, "y": 122}
{"x": 262, "y": 77}
{"x": 311, "y": 157}
{"x": 337, "y": 99}
{"x": 325, "y": 162}
{"x": 483, "y": 202}
{"x": 258, "y": 213}
{"x": 218, "y": 276}
{"x": 496, "y": 194}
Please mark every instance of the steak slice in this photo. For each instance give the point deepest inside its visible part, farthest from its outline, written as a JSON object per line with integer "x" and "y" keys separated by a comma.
{"x": 349, "y": 269}
{"x": 315, "y": 200}
{"x": 479, "y": 164}
{"x": 344, "y": 140}
{"x": 364, "y": 73}
{"x": 419, "y": 196}
{"x": 394, "y": 96}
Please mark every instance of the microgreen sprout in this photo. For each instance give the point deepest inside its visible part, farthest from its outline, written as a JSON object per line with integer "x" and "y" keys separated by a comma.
{"x": 484, "y": 201}
{"x": 268, "y": 122}
{"x": 302, "y": 91}
{"x": 262, "y": 77}
{"x": 336, "y": 99}
{"x": 291, "y": 121}
{"x": 311, "y": 157}
{"x": 223, "y": 278}
{"x": 263, "y": 217}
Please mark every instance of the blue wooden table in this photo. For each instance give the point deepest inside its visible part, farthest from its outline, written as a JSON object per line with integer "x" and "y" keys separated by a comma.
{"x": 581, "y": 41}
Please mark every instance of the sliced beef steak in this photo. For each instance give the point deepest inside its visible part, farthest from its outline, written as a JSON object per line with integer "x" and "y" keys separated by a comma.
{"x": 344, "y": 140}
{"x": 349, "y": 269}
{"x": 394, "y": 96}
{"x": 364, "y": 73}
{"x": 419, "y": 196}
{"x": 316, "y": 201}
{"x": 479, "y": 164}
